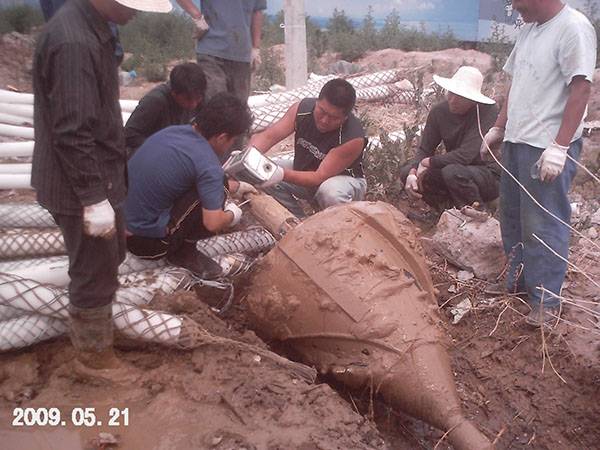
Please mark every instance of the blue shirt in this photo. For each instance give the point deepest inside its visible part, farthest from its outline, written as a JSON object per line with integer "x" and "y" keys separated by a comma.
{"x": 229, "y": 34}
{"x": 168, "y": 164}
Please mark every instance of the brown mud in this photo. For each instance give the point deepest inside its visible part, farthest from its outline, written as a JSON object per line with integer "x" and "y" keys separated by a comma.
{"x": 534, "y": 391}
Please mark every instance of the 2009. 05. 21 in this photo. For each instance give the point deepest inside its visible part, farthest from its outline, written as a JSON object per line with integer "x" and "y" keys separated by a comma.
{"x": 52, "y": 417}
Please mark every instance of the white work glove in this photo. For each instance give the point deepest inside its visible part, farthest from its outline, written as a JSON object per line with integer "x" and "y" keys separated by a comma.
{"x": 411, "y": 186}
{"x": 551, "y": 163}
{"x": 200, "y": 28}
{"x": 421, "y": 169}
{"x": 494, "y": 138}
{"x": 99, "y": 220}
{"x": 243, "y": 189}
{"x": 276, "y": 178}
{"x": 237, "y": 213}
{"x": 255, "y": 59}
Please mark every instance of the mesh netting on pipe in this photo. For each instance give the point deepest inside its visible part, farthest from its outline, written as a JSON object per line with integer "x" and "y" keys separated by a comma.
{"x": 19, "y": 296}
{"x": 374, "y": 79}
{"x": 254, "y": 240}
{"x": 25, "y": 215}
{"x": 19, "y": 243}
{"x": 20, "y": 264}
{"x": 386, "y": 92}
{"x": 28, "y": 330}
{"x": 268, "y": 115}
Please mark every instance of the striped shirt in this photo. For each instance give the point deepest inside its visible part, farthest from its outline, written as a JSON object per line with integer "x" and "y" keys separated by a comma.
{"x": 79, "y": 156}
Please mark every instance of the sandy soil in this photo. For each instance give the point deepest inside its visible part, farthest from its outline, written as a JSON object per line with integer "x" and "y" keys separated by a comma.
{"x": 525, "y": 388}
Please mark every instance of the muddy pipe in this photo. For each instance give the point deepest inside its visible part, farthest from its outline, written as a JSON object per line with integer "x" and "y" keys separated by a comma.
{"x": 348, "y": 289}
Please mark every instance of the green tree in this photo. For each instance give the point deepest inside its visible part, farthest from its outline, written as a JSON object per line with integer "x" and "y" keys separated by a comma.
{"x": 339, "y": 22}
{"x": 389, "y": 35}
{"x": 368, "y": 32}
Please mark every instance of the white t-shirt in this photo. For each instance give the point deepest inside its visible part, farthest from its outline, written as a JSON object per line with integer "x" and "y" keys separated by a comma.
{"x": 543, "y": 62}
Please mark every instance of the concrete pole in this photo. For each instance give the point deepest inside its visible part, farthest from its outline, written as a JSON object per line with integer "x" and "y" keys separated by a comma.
{"x": 295, "y": 43}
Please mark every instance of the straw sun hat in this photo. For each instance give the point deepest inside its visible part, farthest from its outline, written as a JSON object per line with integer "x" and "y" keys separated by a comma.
{"x": 466, "y": 82}
{"x": 162, "y": 6}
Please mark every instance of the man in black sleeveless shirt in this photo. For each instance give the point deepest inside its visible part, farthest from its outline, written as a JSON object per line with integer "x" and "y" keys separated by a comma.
{"x": 328, "y": 150}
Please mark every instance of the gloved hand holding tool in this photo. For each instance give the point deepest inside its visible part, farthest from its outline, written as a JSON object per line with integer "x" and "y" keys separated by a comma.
{"x": 235, "y": 210}
{"x": 411, "y": 186}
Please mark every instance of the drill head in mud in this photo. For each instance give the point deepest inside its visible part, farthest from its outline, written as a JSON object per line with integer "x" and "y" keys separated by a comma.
{"x": 350, "y": 292}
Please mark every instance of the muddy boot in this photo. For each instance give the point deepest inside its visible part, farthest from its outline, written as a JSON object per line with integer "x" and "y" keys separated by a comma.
{"x": 92, "y": 338}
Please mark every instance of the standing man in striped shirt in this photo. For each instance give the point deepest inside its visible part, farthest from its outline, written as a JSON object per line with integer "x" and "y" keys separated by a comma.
{"x": 79, "y": 163}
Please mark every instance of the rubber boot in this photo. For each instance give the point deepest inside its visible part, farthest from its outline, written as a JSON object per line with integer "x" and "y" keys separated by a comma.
{"x": 91, "y": 331}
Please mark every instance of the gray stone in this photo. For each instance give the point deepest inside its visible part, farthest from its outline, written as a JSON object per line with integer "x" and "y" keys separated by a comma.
{"x": 470, "y": 244}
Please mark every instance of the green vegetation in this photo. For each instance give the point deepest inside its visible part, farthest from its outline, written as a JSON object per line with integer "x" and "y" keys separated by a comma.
{"x": 155, "y": 41}
{"x": 20, "y": 18}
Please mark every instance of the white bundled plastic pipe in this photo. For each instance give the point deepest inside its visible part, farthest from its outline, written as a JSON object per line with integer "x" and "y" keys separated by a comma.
{"x": 374, "y": 79}
{"x": 15, "y": 97}
{"x": 12, "y": 119}
{"x": 25, "y": 111}
{"x": 307, "y": 90}
{"x": 23, "y": 296}
{"x": 15, "y": 181}
{"x": 250, "y": 241}
{"x": 268, "y": 115}
{"x": 386, "y": 92}
{"x": 15, "y": 131}
{"x": 27, "y": 99}
{"x": 23, "y": 331}
{"x": 8, "y": 149}
{"x": 27, "y": 329}
{"x": 55, "y": 270}
{"x": 25, "y": 215}
{"x": 10, "y": 168}
{"x": 19, "y": 264}
{"x": 17, "y": 244}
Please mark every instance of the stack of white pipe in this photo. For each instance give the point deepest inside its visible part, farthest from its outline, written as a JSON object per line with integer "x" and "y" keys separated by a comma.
{"x": 16, "y": 110}
{"x": 32, "y": 312}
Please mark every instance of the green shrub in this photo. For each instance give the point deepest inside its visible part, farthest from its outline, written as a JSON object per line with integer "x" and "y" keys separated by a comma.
{"x": 20, "y": 18}
{"x": 268, "y": 73}
{"x": 155, "y": 40}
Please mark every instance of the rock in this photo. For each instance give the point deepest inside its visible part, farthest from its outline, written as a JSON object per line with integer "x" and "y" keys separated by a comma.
{"x": 475, "y": 246}
{"x": 595, "y": 218}
{"x": 344, "y": 67}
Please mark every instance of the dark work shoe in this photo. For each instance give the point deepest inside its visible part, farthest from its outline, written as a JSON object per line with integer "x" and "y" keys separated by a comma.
{"x": 198, "y": 263}
{"x": 540, "y": 316}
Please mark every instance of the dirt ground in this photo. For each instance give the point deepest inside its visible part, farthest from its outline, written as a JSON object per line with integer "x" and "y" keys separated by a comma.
{"x": 524, "y": 388}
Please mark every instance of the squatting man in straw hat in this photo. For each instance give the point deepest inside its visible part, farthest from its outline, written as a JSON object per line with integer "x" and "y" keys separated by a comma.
{"x": 458, "y": 177}
{"x": 541, "y": 122}
{"x": 79, "y": 164}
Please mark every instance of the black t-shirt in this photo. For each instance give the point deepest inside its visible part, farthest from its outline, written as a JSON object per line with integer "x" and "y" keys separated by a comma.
{"x": 311, "y": 146}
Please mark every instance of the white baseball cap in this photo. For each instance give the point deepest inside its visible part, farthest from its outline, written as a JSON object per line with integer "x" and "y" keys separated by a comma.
{"x": 162, "y": 6}
{"x": 466, "y": 82}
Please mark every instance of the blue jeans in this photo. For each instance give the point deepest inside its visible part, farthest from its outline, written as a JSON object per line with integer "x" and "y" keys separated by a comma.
{"x": 333, "y": 191}
{"x": 521, "y": 218}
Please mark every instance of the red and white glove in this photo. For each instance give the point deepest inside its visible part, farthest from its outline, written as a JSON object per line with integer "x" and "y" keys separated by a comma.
{"x": 255, "y": 59}
{"x": 200, "y": 28}
{"x": 276, "y": 178}
{"x": 552, "y": 162}
{"x": 411, "y": 186}
{"x": 235, "y": 210}
{"x": 99, "y": 220}
{"x": 494, "y": 138}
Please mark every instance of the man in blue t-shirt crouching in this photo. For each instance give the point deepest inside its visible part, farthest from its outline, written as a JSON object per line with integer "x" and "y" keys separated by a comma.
{"x": 177, "y": 190}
